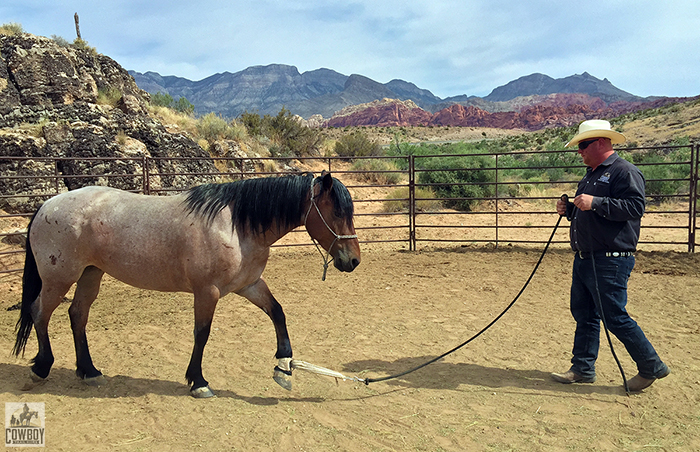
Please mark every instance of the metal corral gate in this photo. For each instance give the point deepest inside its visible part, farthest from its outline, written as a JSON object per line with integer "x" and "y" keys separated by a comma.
{"x": 390, "y": 199}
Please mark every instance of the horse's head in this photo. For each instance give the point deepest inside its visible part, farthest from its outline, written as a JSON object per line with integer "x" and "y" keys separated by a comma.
{"x": 329, "y": 221}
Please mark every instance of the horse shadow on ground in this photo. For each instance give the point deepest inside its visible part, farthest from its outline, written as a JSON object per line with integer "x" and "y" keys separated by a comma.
{"x": 450, "y": 376}
{"x": 439, "y": 375}
{"x": 62, "y": 381}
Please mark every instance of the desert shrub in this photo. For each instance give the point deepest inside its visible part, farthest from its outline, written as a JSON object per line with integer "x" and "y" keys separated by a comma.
{"x": 252, "y": 122}
{"x": 161, "y": 99}
{"x": 356, "y": 144}
{"x": 287, "y": 135}
{"x": 293, "y": 137}
{"x": 663, "y": 169}
{"x": 108, "y": 95}
{"x": 186, "y": 123}
{"x": 213, "y": 127}
{"x": 11, "y": 29}
{"x": 121, "y": 137}
{"x": 184, "y": 106}
{"x": 82, "y": 44}
{"x": 550, "y": 166}
{"x": 376, "y": 171}
{"x": 60, "y": 40}
{"x": 459, "y": 179}
{"x": 398, "y": 200}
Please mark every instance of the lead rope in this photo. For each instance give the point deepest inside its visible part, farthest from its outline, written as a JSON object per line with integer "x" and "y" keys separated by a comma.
{"x": 367, "y": 381}
{"x": 323, "y": 371}
{"x": 599, "y": 305}
{"x": 325, "y": 258}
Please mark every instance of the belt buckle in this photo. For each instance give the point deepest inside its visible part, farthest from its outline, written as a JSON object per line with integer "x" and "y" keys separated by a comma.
{"x": 617, "y": 253}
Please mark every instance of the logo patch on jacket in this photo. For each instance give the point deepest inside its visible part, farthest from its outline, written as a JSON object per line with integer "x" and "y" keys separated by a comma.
{"x": 605, "y": 178}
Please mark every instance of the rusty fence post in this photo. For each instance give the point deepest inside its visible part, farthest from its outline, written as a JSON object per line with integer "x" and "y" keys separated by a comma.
{"x": 693, "y": 195}
{"x": 411, "y": 203}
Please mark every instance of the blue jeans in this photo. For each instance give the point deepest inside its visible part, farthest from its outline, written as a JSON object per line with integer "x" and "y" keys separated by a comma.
{"x": 612, "y": 275}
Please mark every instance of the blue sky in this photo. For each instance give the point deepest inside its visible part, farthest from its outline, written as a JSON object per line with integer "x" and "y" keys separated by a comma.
{"x": 448, "y": 47}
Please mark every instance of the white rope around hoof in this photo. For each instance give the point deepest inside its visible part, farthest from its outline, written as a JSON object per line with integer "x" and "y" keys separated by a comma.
{"x": 303, "y": 365}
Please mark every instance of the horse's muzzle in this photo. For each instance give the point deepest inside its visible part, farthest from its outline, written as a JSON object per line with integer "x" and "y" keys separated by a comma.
{"x": 346, "y": 263}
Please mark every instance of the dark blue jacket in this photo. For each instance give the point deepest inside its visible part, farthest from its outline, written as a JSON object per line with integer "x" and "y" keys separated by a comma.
{"x": 613, "y": 222}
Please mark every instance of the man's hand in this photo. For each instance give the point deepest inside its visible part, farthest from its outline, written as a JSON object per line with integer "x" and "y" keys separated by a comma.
{"x": 582, "y": 201}
{"x": 561, "y": 206}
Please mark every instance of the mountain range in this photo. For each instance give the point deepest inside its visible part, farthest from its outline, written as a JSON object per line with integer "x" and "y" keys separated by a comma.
{"x": 267, "y": 89}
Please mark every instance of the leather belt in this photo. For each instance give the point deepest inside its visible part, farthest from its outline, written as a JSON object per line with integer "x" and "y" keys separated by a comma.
{"x": 589, "y": 254}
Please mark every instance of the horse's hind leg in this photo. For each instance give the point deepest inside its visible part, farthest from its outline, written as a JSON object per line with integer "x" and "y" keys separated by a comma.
{"x": 49, "y": 299}
{"x": 259, "y": 294}
{"x": 204, "y": 305}
{"x": 85, "y": 293}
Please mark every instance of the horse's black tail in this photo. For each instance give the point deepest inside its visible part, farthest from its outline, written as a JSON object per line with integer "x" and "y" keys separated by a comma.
{"x": 31, "y": 286}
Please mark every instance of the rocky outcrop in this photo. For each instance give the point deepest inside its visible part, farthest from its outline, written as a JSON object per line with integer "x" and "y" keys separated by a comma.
{"x": 381, "y": 113}
{"x": 65, "y": 102}
{"x": 533, "y": 113}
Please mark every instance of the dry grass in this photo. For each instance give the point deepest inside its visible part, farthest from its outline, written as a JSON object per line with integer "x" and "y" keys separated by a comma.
{"x": 679, "y": 121}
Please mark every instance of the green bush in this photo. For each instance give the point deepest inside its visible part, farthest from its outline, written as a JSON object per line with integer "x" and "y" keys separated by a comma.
{"x": 549, "y": 166}
{"x": 81, "y": 44}
{"x": 213, "y": 127}
{"x": 288, "y": 136}
{"x": 375, "y": 171}
{"x": 184, "y": 106}
{"x": 11, "y": 29}
{"x": 356, "y": 144}
{"x": 459, "y": 179}
{"x": 253, "y": 123}
{"x": 61, "y": 41}
{"x": 398, "y": 200}
{"x": 161, "y": 99}
{"x": 660, "y": 165}
{"x": 108, "y": 96}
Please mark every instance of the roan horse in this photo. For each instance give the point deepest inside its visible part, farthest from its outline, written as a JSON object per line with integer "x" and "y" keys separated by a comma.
{"x": 211, "y": 240}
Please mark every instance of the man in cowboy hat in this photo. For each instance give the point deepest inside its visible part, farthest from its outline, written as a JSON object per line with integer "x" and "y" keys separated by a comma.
{"x": 605, "y": 217}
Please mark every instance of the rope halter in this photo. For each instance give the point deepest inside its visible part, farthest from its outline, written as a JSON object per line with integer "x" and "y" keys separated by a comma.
{"x": 326, "y": 259}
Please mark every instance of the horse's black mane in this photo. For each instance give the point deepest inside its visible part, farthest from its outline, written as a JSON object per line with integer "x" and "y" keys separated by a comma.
{"x": 258, "y": 203}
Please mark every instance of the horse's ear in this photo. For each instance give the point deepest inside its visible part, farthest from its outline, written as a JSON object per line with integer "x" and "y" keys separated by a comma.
{"x": 327, "y": 180}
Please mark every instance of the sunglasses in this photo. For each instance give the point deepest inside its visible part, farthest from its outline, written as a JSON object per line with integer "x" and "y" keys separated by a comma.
{"x": 584, "y": 144}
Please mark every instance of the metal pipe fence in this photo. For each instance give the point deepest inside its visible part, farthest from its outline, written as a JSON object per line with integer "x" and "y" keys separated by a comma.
{"x": 405, "y": 200}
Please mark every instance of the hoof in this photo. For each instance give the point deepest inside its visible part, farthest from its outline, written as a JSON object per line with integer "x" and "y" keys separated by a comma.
{"x": 35, "y": 378}
{"x": 202, "y": 393}
{"x": 95, "y": 381}
{"x": 283, "y": 379}
{"x": 34, "y": 381}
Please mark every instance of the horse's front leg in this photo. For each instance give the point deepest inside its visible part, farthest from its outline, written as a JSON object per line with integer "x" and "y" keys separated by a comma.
{"x": 205, "y": 300}
{"x": 259, "y": 294}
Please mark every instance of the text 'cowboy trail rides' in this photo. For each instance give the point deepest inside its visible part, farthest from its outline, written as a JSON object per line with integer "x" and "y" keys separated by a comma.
{"x": 24, "y": 424}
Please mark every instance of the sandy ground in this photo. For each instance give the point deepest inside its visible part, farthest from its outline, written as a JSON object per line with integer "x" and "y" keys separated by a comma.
{"x": 397, "y": 310}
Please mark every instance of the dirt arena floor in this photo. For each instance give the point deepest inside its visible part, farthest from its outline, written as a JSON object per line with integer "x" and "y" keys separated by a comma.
{"x": 397, "y": 310}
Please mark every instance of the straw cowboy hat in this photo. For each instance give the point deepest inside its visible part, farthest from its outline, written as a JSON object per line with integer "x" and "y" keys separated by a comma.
{"x": 596, "y": 128}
